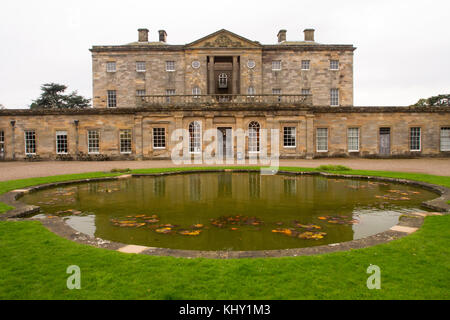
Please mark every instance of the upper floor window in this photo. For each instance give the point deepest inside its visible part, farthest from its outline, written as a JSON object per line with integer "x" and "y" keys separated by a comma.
{"x": 306, "y": 91}
{"x": 276, "y": 65}
{"x": 334, "y": 97}
{"x": 112, "y": 99}
{"x": 223, "y": 80}
{"x": 414, "y": 139}
{"x": 170, "y": 65}
{"x": 111, "y": 66}
{"x": 445, "y": 139}
{"x": 169, "y": 92}
{"x": 140, "y": 93}
{"x": 30, "y": 142}
{"x": 140, "y": 66}
{"x": 334, "y": 64}
{"x": 305, "y": 64}
{"x": 251, "y": 91}
{"x": 61, "y": 142}
{"x": 125, "y": 141}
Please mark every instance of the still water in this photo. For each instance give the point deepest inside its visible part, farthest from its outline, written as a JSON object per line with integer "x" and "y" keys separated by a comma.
{"x": 230, "y": 211}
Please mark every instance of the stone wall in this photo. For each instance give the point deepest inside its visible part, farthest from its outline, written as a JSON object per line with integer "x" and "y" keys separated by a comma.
{"x": 156, "y": 80}
{"x": 306, "y": 121}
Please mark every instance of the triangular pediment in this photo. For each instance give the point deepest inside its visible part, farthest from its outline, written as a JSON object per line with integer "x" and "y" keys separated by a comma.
{"x": 223, "y": 39}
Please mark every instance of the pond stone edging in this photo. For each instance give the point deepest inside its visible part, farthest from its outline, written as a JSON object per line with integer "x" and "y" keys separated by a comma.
{"x": 407, "y": 223}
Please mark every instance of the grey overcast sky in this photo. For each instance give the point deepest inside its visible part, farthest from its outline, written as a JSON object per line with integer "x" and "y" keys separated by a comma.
{"x": 403, "y": 47}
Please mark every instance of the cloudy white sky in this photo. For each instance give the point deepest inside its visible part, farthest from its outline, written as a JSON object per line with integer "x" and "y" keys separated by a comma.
{"x": 403, "y": 47}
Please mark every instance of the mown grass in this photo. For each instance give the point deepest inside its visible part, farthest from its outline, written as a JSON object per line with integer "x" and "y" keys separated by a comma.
{"x": 33, "y": 263}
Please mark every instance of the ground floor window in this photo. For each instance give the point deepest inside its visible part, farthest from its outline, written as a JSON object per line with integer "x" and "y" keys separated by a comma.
{"x": 30, "y": 142}
{"x": 253, "y": 136}
{"x": 322, "y": 139}
{"x": 289, "y": 137}
{"x": 61, "y": 142}
{"x": 353, "y": 139}
{"x": 195, "y": 137}
{"x": 93, "y": 141}
{"x": 159, "y": 138}
{"x": 2, "y": 141}
{"x": 414, "y": 139}
{"x": 445, "y": 139}
{"x": 125, "y": 141}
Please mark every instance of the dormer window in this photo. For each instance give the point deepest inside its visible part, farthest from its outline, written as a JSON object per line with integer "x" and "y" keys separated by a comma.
{"x": 223, "y": 80}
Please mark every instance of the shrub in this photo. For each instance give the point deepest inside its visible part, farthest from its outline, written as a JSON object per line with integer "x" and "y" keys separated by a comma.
{"x": 330, "y": 167}
{"x": 120, "y": 170}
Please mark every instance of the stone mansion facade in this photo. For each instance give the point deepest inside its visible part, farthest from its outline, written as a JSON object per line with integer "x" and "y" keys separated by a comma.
{"x": 145, "y": 90}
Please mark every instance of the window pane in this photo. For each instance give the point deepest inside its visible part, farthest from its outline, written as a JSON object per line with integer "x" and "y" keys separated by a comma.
{"x": 353, "y": 139}
{"x": 140, "y": 66}
{"x": 322, "y": 139}
{"x": 334, "y": 97}
{"x": 93, "y": 141}
{"x": 61, "y": 142}
{"x": 253, "y": 136}
{"x": 306, "y": 91}
{"x": 30, "y": 142}
{"x": 305, "y": 64}
{"x": 2, "y": 141}
{"x": 111, "y": 67}
{"x": 289, "y": 136}
{"x": 276, "y": 65}
{"x": 159, "y": 137}
{"x": 414, "y": 139}
{"x": 170, "y": 65}
{"x": 140, "y": 93}
{"x": 112, "y": 101}
{"x": 445, "y": 139}
{"x": 125, "y": 141}
{"x": 194, "y": 137}
{"x": 334, "y": 64}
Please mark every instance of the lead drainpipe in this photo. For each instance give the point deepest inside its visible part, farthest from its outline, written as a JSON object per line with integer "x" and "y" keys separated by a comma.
{"x": 76, "y": 122}
{"x": 13, "y": 127}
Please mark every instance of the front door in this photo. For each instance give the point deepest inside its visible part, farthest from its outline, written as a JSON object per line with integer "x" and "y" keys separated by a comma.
{"x": 224, "y": 143}
{"x": 385, "y": 141}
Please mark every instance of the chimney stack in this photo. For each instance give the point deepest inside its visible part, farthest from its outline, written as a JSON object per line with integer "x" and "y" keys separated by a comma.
{"x": 281, "y": 35}
{"x": 309, "y": 34}
{"x": 162, "y": 36}
{"x": 143, "y": 35}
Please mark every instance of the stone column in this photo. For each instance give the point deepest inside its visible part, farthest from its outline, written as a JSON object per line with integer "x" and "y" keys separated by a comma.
{"x": 212, "y": 86}
{"x": 235, "y": 75}
{"x": 309, "y": 136}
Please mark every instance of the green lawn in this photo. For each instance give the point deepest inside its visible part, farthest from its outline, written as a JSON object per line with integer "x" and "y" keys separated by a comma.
{"x": 33, "y": 264}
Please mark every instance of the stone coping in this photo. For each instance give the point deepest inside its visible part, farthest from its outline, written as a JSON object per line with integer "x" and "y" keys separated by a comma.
{"x": 408, "y": 223}
{"x": 253, "y": 108}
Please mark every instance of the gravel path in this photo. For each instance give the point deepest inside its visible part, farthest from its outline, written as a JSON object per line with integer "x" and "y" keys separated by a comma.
{"x": 20, "y": 170}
